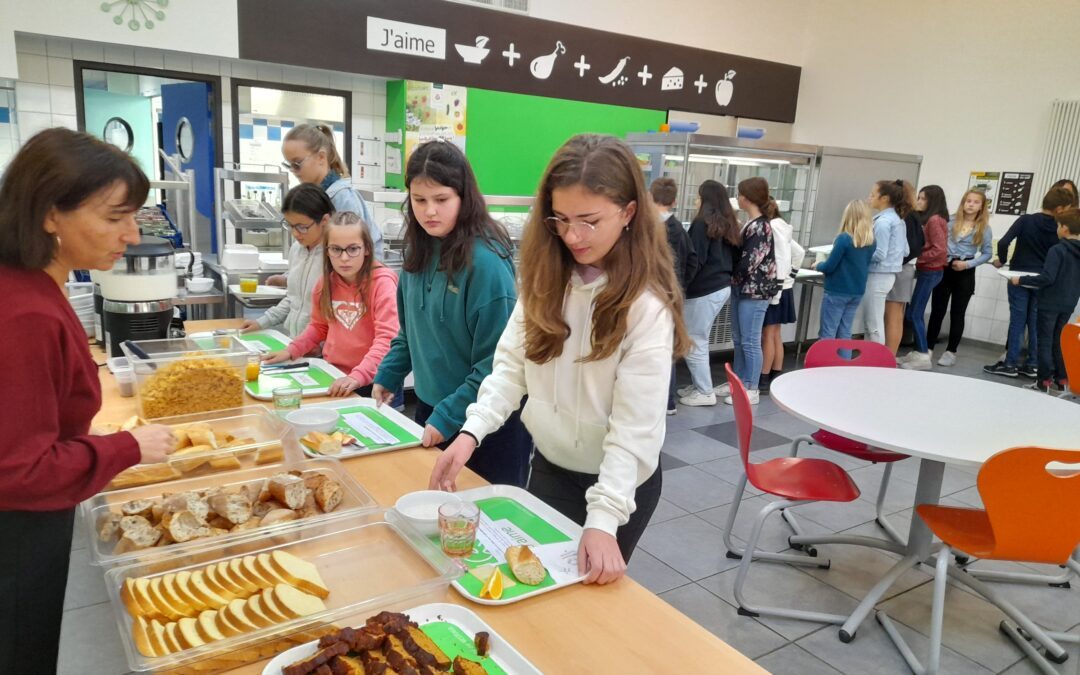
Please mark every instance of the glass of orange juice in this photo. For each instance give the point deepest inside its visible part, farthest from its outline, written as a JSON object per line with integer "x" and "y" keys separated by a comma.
{"x": 249, "y": 285}
{"x": 253, "y": 367}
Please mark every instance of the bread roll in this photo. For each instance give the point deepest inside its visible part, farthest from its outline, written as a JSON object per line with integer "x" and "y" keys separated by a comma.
{"x": 289, "y": 490}
{"x": 279, "y": 516}
{"x": 137, "y": 507}
{"x": 235, "y": 508}
{"x": 526, "y": 567}
{"x": 184, "y": 526}
{"x": 109, "y": 529}
{"x": 329, "y": 495}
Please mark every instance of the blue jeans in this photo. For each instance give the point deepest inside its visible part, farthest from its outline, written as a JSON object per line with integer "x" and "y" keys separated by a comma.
{"x": 699, "y": 315}
{"x": 925, "y": 283}
{"x": 747, "y": 318}
{"x": 837, "y": 315}
{"x": 1023, "y": 313}
{"x": 1051, "y": 360}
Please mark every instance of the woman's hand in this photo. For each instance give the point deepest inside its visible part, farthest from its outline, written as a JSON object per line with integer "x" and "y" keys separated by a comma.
{"x": 279, "y": 280}
{"x": 959, "y": 265}
{"x": 276, "y": 357}
{"x": 432, "y": 436}
{"x": 448, "y": 466}
{"x": 343, "y": 386}
{"x": 249, "y": 325}
{"x": 381, "y": 394}
{"x": 1015, "y": 281}
{"x": 599, "y": 556}
{"x": 156, "y": 442}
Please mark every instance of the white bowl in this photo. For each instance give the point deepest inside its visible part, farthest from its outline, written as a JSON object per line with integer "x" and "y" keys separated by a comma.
{"x": 199, "y": 284}
{"x": 421, "y": 508}
{"x": 306, "y": 420}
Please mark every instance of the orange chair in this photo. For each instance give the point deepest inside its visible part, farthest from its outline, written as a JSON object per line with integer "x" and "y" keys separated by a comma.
{"x": 1029, "y": 517}
{"x": 1070, "y": 353}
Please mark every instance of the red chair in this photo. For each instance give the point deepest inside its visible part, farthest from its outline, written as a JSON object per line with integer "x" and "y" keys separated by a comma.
{"x": 1030, "y": 516}
{"x": 796, "y": 481}
{"x": 825, "y": 353}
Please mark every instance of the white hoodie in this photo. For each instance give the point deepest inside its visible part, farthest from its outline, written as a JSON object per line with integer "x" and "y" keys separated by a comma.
{"x": 602, "y": 417}
{"x": 789, "y": 255}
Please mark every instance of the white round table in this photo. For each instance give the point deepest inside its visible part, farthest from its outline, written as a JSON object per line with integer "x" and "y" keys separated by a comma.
{"x": 940, "y": 419}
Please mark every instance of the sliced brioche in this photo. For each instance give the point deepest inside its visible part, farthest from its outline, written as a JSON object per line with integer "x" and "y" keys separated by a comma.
{"x": 254, "y": 613}
{"x": 299, "y": 573}
{"x": 183, "y": 589}
{"x": 270, "y": 606}
{"x": 214, "y": 583}
{"x": 236, "y": 570}
{"x": 207, "y": 626}
{"x": 172, "y": 596}
{"x": 225, "y": 577}
{"x": 172, "y": 638}
{"x": 189, "y": 632}
{"x": 238, "y": 617}
{"x": 295, "y": 603}
{"x": 156, "y": 635}
{"x": 133, "y": 595}
{"x": 140, "y": 633}
{"x": 250, "y": 569}
{"x": 226, "y": 625}
{"x": 163, "y": 606}
{"x": 210, "y": 597}
{"x": 268, "y": 571}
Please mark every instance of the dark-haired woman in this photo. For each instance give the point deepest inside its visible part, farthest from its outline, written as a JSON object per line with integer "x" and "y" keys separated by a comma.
{"x": 307, "y": 210}
{"x": 904, "y": 286}
{"x": 890, "y": 233}
{"x": 67, "y": 202}
{"x": 933, "y": 212}
{"x": 715, "y": 234}
{"x": 455, "y": 295}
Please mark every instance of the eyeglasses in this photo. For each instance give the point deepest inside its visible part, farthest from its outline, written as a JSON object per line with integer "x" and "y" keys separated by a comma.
{"x": 561, "y": 226}
{"x": 299, "y": 229}
{"x": 295, "y": 166}
{"x": 352, "y": 251}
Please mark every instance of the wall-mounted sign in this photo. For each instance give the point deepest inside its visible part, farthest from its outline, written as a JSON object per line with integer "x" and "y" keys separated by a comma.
{"x": 439, "y": 41}
{"x": 1014, "y": 193}
{"x": 986, "y": 182}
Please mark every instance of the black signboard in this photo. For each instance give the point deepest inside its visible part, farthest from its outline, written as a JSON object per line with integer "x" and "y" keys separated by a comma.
{"x": 447, "y": 42}
{"x": 1013, "y": 193}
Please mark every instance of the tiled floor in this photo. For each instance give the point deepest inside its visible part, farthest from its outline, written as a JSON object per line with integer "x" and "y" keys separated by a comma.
{"x": 682, "y": 558}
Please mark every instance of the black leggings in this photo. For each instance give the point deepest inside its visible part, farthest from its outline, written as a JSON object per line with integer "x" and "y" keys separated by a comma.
{"x": 960, "y": 286}
{"x": 564, "y": 491}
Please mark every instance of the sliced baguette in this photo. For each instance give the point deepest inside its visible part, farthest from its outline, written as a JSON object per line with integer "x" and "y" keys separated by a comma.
{"x": 210, "y": 576}
{"x": 202, "y": 590}
{"x": 289, "y": 490}
{"x": 130, "y": 595}
{"x": 140, "y": 633}
{"x": 225, "y": 463}
{"x": 299, "y": 573}
{"x": 526, "y": 567}
{"x": 197, "y": 454}
{"x": 172, "y": 596}
{"x": 189, "y": 632}
{"x": 156, "y": 634}
{"x": 208, "y": 628}
{"x": 164, "y": 607}
{"x": 270, "y": 454}
{"x": 328, "y": 495}
{"x": 295, "y": 603}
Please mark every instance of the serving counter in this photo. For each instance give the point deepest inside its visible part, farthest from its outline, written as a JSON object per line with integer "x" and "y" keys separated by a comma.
{"x": 619, "y": 628}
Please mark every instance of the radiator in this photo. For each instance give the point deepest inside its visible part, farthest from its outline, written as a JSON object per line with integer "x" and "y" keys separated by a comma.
{"x": 1061, "y": 152}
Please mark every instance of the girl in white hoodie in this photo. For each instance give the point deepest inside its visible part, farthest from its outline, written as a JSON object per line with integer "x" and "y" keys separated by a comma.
{"x": 591, "y": 341}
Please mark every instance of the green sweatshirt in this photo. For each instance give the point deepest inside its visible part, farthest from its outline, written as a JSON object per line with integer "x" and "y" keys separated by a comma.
{"x": 449, "y": 329}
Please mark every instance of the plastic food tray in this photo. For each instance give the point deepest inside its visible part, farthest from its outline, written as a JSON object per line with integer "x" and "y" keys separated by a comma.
{"x": 219, "y": 379}
{"x": 355, "y": 500}
{"x": 369, "y": 563}
{"x": 407, "y": 433}
{"x": 255, "y": 421}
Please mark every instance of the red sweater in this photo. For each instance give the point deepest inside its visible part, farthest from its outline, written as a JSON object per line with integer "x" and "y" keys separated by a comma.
{"x": 935, "y": 249}
{"x": 50, "y": 392}
{"x": 360, "y": 337}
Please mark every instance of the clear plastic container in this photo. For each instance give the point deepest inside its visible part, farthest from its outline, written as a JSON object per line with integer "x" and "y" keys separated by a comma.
{"x": 178, "y": 377}
{"x": 97, "y": 509}
{"x": 272, "y": 441}
{"x": 125, "y": 378}
{"x": 369, "y": 563}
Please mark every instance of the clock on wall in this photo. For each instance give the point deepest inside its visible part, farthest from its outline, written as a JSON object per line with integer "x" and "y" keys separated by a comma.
{"x": 136, "y": 13}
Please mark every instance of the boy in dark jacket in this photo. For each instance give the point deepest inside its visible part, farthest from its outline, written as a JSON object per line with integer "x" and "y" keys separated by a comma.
{"x": 1058, "y": 287}
{"x": 1035, "y": 234}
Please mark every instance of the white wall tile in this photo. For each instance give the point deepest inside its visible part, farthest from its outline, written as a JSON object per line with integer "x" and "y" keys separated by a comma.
{"x": 245, "y": 70}
{"x": 990, "y": 287}
{"x": 225, "y": 66}
{"x": 363, "y": 125}
{"x": 61, "y": 47}
{"x": 269, "y": 73}
{"x": 62, "y": 100}
{"x": 1001, "y": 310}
{"x": 69, "y": 121}
{"x": 205, "y": 64}
{"x": 317, "y": 78}
{"x": 362, "y": 104}
{"x": 977, "y": 328}
{"x": 363, "y": 84}
{"x": 120, "y": 54}
{"x": 150, "y": 58}
{"x": 378, "y": 104}
{"x": 999, "y": 332}
{"x": 87, "y": 51}
{"x": 61, "y": 72}
{"x": 32, "y": 67}
{"x": 292, "y": 75}
{"x": 31, "y": 44}
{"x": 341, "y": 81}
{"x": 31, "y": 97}
{"x": 178, "y": 61}
{"x": 982, "y": 307}
{"x": 32, "y": 122}
{"x": 226, "y": 89}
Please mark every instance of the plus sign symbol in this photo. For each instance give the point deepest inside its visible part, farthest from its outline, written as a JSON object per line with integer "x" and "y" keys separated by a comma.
{"x": 510, "y": 55}
{"x": 700, "y": 83}
{"x": 645, "y": 75}
{"x": 582, "y": 66}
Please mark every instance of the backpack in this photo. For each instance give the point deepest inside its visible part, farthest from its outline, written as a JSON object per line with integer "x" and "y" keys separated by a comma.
{"x": 916, "y": 238}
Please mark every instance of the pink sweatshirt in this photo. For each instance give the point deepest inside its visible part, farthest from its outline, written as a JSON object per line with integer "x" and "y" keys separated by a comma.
{"x": 357, "y": 342}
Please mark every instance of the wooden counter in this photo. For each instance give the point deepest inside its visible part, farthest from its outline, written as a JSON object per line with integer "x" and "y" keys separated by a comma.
{"x": 618, "y": 628}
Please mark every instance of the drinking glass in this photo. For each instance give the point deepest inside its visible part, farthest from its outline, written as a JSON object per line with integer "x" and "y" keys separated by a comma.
{"x": 458, "y": 521}
{"x": 287, "y": 399}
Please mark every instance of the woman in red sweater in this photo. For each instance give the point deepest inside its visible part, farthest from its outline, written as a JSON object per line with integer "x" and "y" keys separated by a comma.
{"x": 353, "y": 308}
{"x": 929, "y": 268}
{"x": 67, "y": 201}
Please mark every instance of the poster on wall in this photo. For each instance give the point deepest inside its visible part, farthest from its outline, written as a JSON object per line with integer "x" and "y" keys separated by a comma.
{"x": 434, "y": 111}
{"x": 1014, "y": 193}
{"x": 987, "y": 182}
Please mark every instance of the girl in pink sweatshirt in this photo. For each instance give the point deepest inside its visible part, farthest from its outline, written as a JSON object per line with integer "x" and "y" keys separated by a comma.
{"x": 354, "y": 308}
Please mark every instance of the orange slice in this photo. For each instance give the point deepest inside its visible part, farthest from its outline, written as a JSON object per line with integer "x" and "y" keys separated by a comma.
{"x": 493, "y": 587}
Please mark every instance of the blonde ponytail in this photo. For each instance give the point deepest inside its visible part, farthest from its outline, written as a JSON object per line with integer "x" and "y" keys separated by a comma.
{"x": 319, "y": 137}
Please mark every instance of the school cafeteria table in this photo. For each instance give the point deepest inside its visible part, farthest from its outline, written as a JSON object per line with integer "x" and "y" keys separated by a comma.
{"x": 618, "y": 628}
{"x": 939, "y": 419}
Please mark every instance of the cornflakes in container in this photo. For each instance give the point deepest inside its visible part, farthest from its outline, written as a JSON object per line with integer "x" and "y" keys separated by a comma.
{"x": 179, "y": 377}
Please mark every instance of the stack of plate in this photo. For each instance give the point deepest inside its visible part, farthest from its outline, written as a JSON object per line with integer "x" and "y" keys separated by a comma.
{"x": 182, "y": 259}
{"x": 81, "y": 296}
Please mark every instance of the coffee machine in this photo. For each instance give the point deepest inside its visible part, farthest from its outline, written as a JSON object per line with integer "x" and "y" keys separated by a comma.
{"x": 138, "y": 292}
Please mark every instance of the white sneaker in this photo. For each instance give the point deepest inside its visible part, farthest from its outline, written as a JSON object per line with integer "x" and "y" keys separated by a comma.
{"x": 672, "y": 411}
{"x": 698, "y": 398}
{"x": 947, "y": 359}
{"x": 752, "y": 394}
{"x": 918, "y": 361}
{"x": 906, "y": 357}
{"x": 686, "y": 391}
{"x": 722, "y": 390}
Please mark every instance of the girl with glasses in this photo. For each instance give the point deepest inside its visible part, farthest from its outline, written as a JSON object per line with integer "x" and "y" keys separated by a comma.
{"x": 354, "y": 308}
{"x": 591, "y": 344}
{"x": 307, "y": 210}
{"x": 454, "y": 299}
{"x": 310, "y": 154}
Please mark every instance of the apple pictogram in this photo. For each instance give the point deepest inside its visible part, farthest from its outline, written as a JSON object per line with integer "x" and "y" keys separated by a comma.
{"x": 725, "y": 88}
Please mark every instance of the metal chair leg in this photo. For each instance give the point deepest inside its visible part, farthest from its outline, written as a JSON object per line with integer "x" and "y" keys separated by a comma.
{"x": 1013, "y": 632}
{"x": 937, "y": 620}
{"x": 882, "y": 520}
{"x": 1061, "y": 580}
{"x": 735, "y": 552}
{"x": 847, "y": 631}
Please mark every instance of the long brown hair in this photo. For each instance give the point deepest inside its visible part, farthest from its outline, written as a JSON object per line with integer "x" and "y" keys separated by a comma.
{"x": 756, "y": 191}
{"x": 640, "y": 261}
{"x": 319, "y": 137}
{"x": 716, "y": 212}
{"x": 982, "y": 218}
{"x": 907, "y": 204}
{"x": 363, "y": 277}
{"x": 893, "y": 190}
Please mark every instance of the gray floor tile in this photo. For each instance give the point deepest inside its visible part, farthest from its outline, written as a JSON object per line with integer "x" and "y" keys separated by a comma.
{"x": 969, "y": 496}
{"x": 899, "y": 495}
{"x": 1053, "y": 608}
{"x": 784, "y": 424}
{"x": 690, "y": 545}
{"x": 780, "y": 585}
{"x": 89, "y": 642}
{"x": 837, "y": 516}
{"x": 721, "y": 619}
{"x": 694, "y": 490}
{"x": 729, "y": 469}
{"x": 86, "y": 584}
{"x": 690, "y": 417}
{"x": 667, "y": 462}
{"x": 855, "y": 570}
{"x": 774, "y": 532}
{"x": 794, "y": 660}
{"x": 692, "y": 447}
{"x": 653, "y": 574}
{"x": 727, "y": 433}
{"x": 665, "y": 510}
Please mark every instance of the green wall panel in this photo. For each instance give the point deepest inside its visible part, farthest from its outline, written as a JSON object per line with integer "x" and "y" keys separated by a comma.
{"x": 395, "y": 122}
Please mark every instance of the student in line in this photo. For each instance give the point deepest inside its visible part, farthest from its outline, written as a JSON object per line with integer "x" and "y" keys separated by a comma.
{"x": 1058, "y": 287}
{"x": 1035, "y": 234}
{"x": 354, "y": 308}
{"x": 969, "y": 245}
{"x": 754, "y": 284}
{"x": 714, "y": 233}
{"x": 846, "y": 270}
{"x": 455, "y": 295}
{"x": 664, "y": 193}
{"x": 307, "y": 210}
{"x": 310, "y": 154}
{"x": 1071, "y": 187}
{"x": 890, "y": 237}
{"x": 590, "y": 343}
{"x": 789, "y": 258}
{"x": 929, "y": 268}
{"x": 900, "y": 295}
